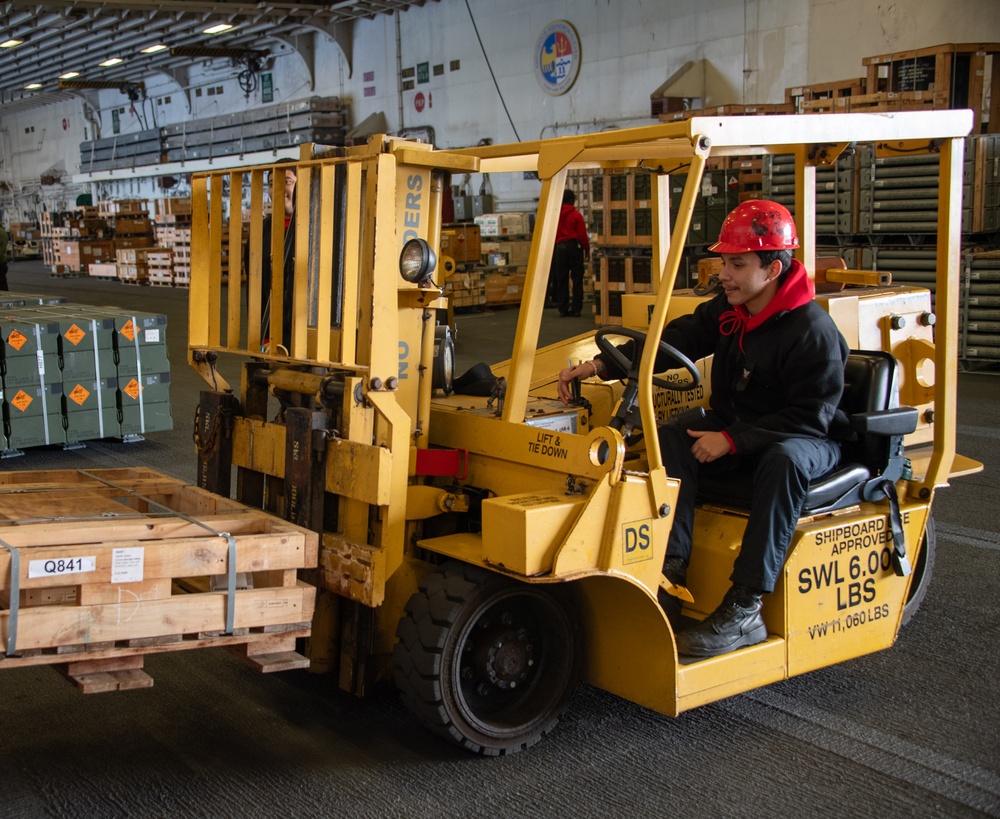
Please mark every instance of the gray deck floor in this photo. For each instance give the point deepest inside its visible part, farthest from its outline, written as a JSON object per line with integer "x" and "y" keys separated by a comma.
{"x": 912, "y": 731}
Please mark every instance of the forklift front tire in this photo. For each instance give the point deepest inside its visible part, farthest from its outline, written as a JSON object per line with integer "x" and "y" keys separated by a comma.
{"x": 485, "y": 661}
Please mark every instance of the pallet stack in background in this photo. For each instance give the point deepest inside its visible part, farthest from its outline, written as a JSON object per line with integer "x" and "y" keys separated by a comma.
{"x": 116, "y": 240}
{"x": 491, "y": 259}
{"x": 935, "y": 78}
{"x": 73, "y": 373}
{"x": 880, "y": 213}
{"x": 617, "y": 208}
{"x": 173, "y": 234}
{"x": 71, "y": 239}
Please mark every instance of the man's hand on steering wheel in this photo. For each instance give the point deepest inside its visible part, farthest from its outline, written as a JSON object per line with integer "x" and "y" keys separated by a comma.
{"x": 631, "y": 368}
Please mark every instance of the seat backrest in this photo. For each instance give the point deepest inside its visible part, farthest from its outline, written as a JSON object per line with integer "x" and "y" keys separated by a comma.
{"x": 870, "y": 385}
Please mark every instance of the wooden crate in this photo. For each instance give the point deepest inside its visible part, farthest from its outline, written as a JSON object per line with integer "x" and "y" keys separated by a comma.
{"x": 108, "y": 270}
{"x": 621, "y": 208}
{"x": 729, "y": 111}
{"x": 615, "y": 276}
{"x": 822, "y": 96}
{"x": 892, "y": 101}
{"x": 461, "y": 242}
{"x": 504, "y": 288}
{"x": 101, "y": 567}
{"x": 466, "y": 288}
{"x": 953, "y": 75}
{"x": 177, "y": 206}
{"x": 115, "y": 207}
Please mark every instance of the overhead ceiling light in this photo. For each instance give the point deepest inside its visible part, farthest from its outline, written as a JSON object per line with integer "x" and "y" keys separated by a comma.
{"x": 110, "y": 62}
{"x": 218, "y": 29}
{"x": 10, "y": 43}
{"x": 153, "y": 49}
{"x": 69, "y": 75}
{"x": 33, "y": 86}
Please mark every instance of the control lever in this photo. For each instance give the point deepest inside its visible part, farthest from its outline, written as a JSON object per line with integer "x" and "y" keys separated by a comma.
{"x": 687, "y": 418}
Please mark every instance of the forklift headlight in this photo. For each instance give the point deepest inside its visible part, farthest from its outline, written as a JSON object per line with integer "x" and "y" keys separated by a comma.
{"x": 417, "y": 261}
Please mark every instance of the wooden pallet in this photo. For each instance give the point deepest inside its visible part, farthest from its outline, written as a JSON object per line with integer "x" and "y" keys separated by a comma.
{"x": 99, "y": 568}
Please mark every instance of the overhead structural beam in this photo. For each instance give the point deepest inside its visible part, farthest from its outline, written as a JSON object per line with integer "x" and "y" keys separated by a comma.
{"x": 342, "y": 35}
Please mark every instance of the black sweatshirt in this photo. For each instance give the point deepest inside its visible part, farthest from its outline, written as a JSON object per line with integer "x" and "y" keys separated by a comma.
{"x": 776, "y": 375}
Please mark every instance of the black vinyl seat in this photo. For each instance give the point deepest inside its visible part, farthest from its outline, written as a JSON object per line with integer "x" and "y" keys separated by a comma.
{"x": 872, "y": 456}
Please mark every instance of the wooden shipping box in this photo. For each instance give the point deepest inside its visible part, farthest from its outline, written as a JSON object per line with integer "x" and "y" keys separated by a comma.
{"x": 108, "y": 565}
{"x": 504, "y": 288}
{"x": 461, "y": 242}
{"x": 77, "y": 255}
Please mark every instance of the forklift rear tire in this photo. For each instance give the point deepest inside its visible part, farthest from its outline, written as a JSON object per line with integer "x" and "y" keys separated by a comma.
{"x": 922, "y": 572}
{"x": 485, "y": 661}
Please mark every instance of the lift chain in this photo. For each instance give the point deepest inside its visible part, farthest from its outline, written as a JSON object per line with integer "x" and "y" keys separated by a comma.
{"x": 209, "y": 445}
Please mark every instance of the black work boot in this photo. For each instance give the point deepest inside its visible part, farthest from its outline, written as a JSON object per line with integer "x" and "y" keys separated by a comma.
{"x": 675, "y": 570}
{"x": 734, "y": 624}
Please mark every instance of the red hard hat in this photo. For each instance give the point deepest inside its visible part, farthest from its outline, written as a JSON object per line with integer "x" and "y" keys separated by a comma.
{"x": 757, "y": 224}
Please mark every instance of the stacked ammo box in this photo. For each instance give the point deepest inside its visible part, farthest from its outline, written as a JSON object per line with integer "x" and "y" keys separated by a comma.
{"x": 505, "y": 244}
{"x": 73, "y": 372}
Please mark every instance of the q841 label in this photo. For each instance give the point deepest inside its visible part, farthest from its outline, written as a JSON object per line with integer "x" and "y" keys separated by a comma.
{"x": 59, "y": 566}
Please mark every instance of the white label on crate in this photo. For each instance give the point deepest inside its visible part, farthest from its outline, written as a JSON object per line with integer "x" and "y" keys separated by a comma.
{"x": 41, "y": 361}
{"x": 126, "y": 565}
{"x": 62, "y": 565}
{"x": 152, "y": 336}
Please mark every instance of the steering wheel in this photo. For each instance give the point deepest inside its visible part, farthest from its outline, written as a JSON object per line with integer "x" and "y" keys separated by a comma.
{"x": 632, "y": 367}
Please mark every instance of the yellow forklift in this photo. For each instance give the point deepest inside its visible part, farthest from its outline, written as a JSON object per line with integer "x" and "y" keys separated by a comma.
{"x": 490, "y": 552}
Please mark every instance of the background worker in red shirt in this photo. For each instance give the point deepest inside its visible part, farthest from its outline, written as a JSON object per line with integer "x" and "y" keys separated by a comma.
{"x": 571, "y": 251}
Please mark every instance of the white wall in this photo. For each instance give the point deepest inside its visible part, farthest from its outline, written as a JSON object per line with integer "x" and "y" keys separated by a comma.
{"x": 753, "y": 50}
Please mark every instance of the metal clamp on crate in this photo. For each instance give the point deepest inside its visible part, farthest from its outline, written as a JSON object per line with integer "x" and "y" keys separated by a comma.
{"x": 15, "y": 597}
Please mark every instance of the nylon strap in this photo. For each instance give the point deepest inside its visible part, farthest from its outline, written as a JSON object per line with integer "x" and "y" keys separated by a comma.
{"x": 900, "y": 561}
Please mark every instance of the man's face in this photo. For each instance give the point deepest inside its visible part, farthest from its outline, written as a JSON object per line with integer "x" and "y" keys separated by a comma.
{"x": 747, "y": 282}
{"x": 289, "y": 191}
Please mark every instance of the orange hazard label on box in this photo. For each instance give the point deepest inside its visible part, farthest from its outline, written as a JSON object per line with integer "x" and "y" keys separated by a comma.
{"x": 22, "y": 400}
{"x": 17, "y": 340}
{"x": 128, "y": 330}
{"x": 74, "y": 335}
{"x": 132, "y": 389}
{"x": 79, "y": 394}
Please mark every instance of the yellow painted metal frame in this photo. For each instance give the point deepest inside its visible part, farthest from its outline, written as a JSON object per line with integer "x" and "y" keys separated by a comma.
{"x": 814, "y": 141}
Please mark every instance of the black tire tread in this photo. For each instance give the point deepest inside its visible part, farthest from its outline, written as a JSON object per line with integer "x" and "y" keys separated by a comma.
{"x": 418, "y": 655}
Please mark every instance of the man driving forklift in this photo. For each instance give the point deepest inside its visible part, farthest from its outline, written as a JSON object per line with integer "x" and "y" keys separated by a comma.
{"x": 777, "y": 379}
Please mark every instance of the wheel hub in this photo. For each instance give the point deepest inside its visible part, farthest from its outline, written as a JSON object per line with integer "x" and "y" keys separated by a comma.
{"x": 504, "y": 656}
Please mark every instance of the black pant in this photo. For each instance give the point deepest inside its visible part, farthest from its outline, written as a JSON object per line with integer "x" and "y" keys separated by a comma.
{"x": 3, "y": 276}
{"x": 567, "y": 262}
{"x": 780, "y": 476}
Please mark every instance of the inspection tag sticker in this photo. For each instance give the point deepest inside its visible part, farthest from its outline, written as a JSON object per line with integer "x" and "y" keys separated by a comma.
{"x": 127, "y": 564}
